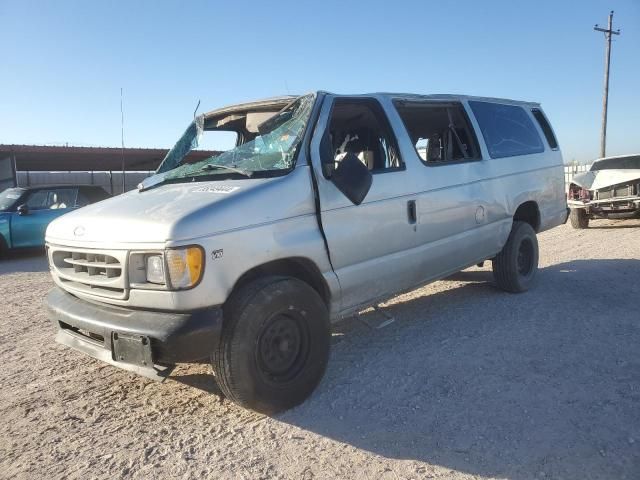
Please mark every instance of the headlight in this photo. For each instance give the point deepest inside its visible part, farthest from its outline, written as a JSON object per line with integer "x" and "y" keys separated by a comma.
{"x": 185, "y": 266}
{"x": 155, "y": 269}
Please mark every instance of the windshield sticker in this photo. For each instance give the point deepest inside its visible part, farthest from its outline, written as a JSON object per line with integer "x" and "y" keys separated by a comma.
{"x": 216, "y": 189}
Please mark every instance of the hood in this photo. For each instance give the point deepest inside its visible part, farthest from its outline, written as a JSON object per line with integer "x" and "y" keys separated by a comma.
{"x": 183, "y": 211}
{"x": 609, "y": 171}
{"x": 598, "y": 179}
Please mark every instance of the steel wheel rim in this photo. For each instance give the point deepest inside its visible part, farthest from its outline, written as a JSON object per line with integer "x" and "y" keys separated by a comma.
{"x": 524, "y": 260}
{"x": 282, "y": 347}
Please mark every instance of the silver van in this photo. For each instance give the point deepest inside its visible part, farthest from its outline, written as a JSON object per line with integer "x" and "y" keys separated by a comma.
{"x": 327, "y": 204}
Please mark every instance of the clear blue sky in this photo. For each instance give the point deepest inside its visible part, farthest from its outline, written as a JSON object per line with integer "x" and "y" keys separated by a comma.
{"x": 63, "y": 62}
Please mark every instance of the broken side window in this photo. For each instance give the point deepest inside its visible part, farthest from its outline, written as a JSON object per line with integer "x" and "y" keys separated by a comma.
{"x": 360, "y": 126}
{"x": 440, "y": 132}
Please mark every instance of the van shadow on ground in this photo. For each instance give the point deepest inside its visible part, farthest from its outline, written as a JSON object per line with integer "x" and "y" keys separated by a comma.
{"x": 542, "y": 384}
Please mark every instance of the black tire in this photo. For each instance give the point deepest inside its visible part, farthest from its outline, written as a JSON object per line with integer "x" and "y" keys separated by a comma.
{"x": 3, "y": 247}
{"x": 274, "y": 346}
{"x": 515, "y": 268}
{"x": 579, "y": 218}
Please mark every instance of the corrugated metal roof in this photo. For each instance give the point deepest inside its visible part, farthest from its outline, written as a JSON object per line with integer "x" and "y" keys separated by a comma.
{"x": 69, "y": 158}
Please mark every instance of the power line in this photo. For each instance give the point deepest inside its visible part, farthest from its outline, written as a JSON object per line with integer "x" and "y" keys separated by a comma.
{"x": 608, "y": 32}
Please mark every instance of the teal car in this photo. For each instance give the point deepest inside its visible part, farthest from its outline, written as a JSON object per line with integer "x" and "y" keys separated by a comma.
{"x": 25, "y": 212}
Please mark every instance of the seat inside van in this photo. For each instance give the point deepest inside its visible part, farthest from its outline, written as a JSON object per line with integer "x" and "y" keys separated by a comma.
{"x": 358, "y": 126}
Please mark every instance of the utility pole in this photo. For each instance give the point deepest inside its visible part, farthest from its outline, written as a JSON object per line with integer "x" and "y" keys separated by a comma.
{"x": 605, "y": 97}
{"x": 122, "y": 142}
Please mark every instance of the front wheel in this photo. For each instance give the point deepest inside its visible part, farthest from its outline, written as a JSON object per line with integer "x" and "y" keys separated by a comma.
{"x": 516, "y": 266}
{"x": 579, "y": 218}
{"x": 274, "y": 346}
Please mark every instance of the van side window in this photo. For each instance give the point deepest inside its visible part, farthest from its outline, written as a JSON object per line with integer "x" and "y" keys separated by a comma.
{"x": 507, "y": 129}
{"x": 545, "y": 127}
{"x": 439, "y": 132}
{"x": 360, "y": 126}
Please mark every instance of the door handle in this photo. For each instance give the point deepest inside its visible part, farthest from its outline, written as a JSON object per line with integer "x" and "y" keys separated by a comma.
{"x": 411, "y": 212}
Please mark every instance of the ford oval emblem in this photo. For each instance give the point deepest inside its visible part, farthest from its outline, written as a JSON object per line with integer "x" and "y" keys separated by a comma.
{"x": 78, "y": 231}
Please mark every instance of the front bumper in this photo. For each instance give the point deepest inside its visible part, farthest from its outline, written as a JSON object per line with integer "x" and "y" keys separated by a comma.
{"x": 142, "y": 341}
{"x": 608, "y": 206}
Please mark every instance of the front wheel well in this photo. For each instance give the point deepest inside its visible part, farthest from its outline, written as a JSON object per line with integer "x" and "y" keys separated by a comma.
{"x": 528, "y": 212}
{"x": 297, "y": 267}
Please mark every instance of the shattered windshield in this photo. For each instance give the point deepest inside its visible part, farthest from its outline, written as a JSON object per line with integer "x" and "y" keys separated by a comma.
{"x": 9, "y": 197}
{"x": 273, "y": 149}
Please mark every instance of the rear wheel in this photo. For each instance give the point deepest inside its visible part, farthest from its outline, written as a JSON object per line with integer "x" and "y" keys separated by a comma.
{"x": 516, "y": 266}
{"x": 274, "y": 346}
{"x": 579, "y": 218}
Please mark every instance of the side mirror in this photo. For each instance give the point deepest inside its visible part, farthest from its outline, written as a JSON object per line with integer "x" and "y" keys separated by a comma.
{"x": 23, "y": 209}
{"x": 352, "y": 178}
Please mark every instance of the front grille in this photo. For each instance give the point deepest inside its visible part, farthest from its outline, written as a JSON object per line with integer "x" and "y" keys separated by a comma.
{"x": 93, "y": 264}
{"x": 616, "y": 191}
{"x": 604, "y": 194}
{"x": 89, "y": 271}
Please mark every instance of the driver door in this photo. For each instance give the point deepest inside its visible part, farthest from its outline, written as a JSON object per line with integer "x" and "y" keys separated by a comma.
{"x": 370, "y": 244}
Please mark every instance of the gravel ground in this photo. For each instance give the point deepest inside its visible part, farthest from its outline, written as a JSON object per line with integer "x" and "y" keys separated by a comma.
{"x": 467, "y": 382}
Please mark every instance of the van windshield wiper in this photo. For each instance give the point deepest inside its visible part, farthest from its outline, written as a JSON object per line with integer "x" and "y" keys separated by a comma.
{"x": 214, "y": 166}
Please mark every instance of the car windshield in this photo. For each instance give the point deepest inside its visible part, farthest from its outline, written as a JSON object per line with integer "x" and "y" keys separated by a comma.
{"x": 273, "y": 149}
{"x": 9, "y": 197}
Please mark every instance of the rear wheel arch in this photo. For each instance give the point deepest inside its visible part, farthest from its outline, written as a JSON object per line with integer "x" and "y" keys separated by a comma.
{"x": 528, "y": 212}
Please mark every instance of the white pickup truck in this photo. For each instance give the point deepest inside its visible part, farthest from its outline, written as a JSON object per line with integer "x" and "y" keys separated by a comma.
{"x": 610, "y": 189}
{"x": 327, "y": 203}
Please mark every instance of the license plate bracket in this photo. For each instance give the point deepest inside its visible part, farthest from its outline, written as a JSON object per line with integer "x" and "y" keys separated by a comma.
{"x": 131, "y": 348}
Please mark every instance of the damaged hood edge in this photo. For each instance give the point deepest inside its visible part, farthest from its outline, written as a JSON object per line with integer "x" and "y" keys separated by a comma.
{"x": 596, "y": 180}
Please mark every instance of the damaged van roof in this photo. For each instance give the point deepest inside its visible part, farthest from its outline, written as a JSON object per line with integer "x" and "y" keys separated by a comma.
{"x": 265, "y": 104}
{"x": 454, "y": 97}
{"x": 245, "y": 118}
{"x": 268, "y": 104}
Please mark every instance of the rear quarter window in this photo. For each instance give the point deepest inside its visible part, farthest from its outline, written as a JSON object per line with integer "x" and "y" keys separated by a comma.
{"x": 546, "y": 128}
{"x": 507, "y": 129}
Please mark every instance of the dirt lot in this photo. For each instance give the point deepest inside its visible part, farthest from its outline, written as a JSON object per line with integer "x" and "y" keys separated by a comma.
{"x": 468, "y": 382}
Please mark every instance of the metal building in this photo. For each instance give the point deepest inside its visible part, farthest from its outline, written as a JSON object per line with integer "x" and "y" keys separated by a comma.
{"x": 26, "y": 165}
